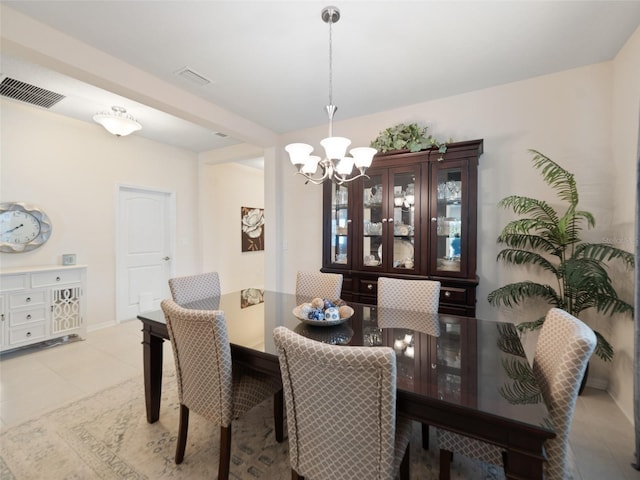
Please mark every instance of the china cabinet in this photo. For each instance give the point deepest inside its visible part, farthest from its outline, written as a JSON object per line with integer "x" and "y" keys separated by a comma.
{"x": 41, "y": 303}
{"x": 413, "y": 216}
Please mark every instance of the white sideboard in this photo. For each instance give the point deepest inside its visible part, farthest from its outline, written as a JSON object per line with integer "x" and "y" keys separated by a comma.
{"x": 41, "y": 303}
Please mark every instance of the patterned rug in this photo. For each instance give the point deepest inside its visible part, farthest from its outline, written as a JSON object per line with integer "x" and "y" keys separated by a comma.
{"x": 106, "y": 436}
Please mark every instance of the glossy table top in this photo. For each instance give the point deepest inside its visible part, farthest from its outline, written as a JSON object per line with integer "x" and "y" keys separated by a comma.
{"x": 472, "y": 363}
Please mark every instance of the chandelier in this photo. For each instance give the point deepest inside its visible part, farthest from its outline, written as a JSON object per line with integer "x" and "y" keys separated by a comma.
{"x": 336, "y": 166}
{"x": 118, "y": 122}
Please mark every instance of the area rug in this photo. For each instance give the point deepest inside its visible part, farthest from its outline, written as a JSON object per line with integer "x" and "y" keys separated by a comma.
{"x": 106, "y": 436}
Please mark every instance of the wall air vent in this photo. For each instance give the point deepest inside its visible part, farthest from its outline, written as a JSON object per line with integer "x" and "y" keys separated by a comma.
{"x": 193, "y": 76}
{"x": 28, "y": 93}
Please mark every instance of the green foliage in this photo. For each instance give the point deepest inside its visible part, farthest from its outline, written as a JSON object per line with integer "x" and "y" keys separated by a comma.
{"x": 410, "y": 137}
{"x": 550, "y": 241}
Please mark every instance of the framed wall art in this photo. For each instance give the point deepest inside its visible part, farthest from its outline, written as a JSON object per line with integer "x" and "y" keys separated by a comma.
{"x": 252, "y": 220}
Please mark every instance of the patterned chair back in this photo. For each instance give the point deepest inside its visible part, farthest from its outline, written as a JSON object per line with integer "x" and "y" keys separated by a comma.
{"x": 194, "y": 287}
{"x": 341, "y": 410}
{"x": 203, "y": 360}
{"x": 563, "y": 350}
{"x": 317, "y": 284}
{"x": 413, "y": 295}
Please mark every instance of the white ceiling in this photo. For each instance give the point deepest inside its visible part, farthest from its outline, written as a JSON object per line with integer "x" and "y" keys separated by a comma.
{"x": 268, "y": 61}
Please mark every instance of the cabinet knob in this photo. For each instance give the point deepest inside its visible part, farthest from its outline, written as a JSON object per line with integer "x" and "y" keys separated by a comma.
{"x": 166, "y": 259}
{"x": 390, "y": 220}
{"x": 447, "y": 294}
{"x": 384, "y": 220}
{"x": 28, "y": 334}
{"x": 434, "y": 219}
{"x": 434, "y": 366}
{"x": 348, "y": 220}
{"x": 28, "y": 299}
{"x": 29, "y": 317}
{"x": 57, "y": 279}
{"x": 370, "y": 286}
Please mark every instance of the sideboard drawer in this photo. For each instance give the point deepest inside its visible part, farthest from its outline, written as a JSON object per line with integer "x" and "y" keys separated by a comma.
{"x": 11, "y": 283}
{"x": 55, "y": 277}
{"x": 31, "y": 315}
{"x": 27, "y": 334}
{"x": 453, "y": 294}
{"x": 27, "y": 299}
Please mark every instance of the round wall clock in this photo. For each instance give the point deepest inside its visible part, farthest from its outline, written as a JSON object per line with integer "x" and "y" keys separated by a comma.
{"x": 23, "y": 227}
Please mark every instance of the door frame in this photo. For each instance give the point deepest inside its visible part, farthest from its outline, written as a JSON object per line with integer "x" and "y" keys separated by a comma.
{"x": 171, "y": 226}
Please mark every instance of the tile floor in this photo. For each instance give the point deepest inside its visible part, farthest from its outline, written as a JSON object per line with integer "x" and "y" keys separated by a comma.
{"x": 36, "y": 380}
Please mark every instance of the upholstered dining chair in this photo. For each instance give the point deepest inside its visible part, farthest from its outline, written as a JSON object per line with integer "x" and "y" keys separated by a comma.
{"x": 208, "y": 382}
{"x": 341, "y": 410}
{"x": 563, "y": 350}
{"x": 318, "y": 284}
{"x": 415, "y": 295}
{"x": 192, "y": 288}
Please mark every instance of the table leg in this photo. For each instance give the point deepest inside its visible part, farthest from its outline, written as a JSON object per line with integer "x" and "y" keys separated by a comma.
{"x": 524, "y": 465}
{"x": 152, "y": 359}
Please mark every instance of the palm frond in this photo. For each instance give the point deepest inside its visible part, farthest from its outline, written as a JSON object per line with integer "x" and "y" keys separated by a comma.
{"x": 524, "y": 390}
{"x": 513, "y": 293}
{"x": 524, "y": 257}
{"x": 538, "y": 209}
{"x": 556, "y": 177}
{"x": 530, "y": 326}
{"x": 526, "y": 240}
{"x": 509, "y": 340}
{"x": 604, "y": 349}
{"x": 604, "y": 252}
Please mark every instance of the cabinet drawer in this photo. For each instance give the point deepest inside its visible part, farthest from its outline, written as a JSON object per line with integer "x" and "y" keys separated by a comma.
{"x": 26, "y": 299}
{"x": 29, "y": 334}
{"x": 22, "y": 317}
{"x": 453, "y": 294}
{"x": 11, "y": 283}
{"x": 55, "y": 277}
{"x": 368, "y": 287}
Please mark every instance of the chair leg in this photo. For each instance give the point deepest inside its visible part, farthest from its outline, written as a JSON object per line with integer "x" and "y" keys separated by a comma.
{"x": 182, "y": 433}
{"x": 278, "y": 415}
{"x": 295, "y": 476}
{"x": 225, "y": 453}
{"x": 425, "y": 436}
{"x": 445, "y": 464}
{"x": 405, "y": 465}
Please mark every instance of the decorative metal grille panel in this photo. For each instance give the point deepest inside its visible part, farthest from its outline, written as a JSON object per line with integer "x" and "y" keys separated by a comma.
{"x": 65, "y": 309}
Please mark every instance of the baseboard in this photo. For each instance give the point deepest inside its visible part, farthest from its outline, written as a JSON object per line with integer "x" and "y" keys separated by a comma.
{"x": 597, "y": 383}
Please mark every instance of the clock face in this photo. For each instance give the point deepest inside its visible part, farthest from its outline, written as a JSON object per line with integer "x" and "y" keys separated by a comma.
{"x": 18, "y": 227}
{"x": 23, "y": 227}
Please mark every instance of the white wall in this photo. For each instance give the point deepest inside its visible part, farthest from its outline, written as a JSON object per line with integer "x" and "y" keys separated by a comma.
{"x": 566, "y": 116}
{"x": 625, "y": 131}
{"x": 71, "y": 169}
{"x": 225, "y": 189}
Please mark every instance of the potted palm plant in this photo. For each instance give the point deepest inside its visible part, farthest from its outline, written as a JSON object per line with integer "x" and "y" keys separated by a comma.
{"x": 549, "y": 240}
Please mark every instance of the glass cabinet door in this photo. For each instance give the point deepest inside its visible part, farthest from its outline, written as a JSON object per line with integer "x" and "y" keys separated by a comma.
{"x": 340, "y": 225}
{"x": 373, "y": 214}
{"x": 450, "y": 218}
{"x": 402, "y": 222}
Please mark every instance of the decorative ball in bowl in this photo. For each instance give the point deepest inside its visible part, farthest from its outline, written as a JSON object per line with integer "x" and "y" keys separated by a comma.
{"x": 323, "y": 312}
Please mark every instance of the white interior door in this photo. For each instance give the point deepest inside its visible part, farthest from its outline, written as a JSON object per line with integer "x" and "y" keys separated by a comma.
{"x": 145, "y": 233}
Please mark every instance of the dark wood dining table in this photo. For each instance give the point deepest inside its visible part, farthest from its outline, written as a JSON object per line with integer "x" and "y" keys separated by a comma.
{"x": 459, "y": 373}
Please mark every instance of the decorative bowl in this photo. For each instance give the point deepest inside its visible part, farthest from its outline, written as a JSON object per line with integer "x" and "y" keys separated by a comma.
{"x": 321, "y": 323}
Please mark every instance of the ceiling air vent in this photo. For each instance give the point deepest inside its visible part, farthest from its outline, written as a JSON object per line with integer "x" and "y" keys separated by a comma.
{"x": 28, "y": 93}
{"x": 194, "y": 77}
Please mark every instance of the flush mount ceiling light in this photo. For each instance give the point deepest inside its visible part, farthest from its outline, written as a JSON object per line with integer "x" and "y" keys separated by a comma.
{"x": 118, "y": 122}
{"x": 336, "y": 166}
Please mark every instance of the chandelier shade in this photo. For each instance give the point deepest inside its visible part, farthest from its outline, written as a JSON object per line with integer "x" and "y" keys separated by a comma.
{"x": 117, "y": 122}
{"x": 336, "y": 167}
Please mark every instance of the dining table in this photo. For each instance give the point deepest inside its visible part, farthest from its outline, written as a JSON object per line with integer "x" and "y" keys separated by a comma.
{"x": 463, "y": 374}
